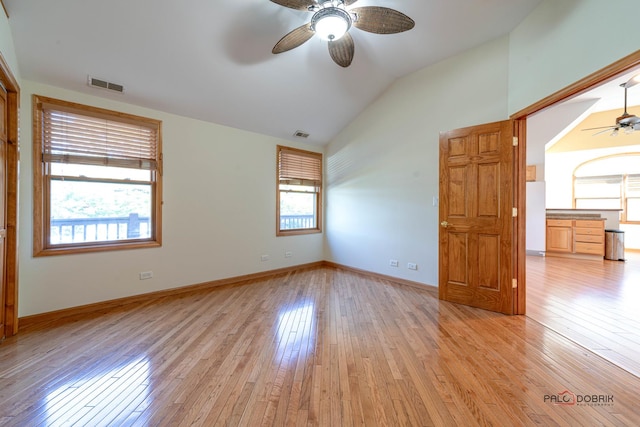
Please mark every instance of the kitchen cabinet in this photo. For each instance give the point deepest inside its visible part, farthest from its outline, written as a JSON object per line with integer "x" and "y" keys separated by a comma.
{"x": 580, "y": 237}
{"x": 589, "y": 237}
{"x": 559, "y": 235}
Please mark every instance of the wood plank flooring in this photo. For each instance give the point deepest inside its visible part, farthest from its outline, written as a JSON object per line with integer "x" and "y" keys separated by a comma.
{"x": 595, "y": 303}
{"x": 315, "y": 347}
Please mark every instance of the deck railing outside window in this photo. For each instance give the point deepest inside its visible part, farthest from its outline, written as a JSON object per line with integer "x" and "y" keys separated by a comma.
{"x": 294, "y": 222}
{"x": 74, "y": 230}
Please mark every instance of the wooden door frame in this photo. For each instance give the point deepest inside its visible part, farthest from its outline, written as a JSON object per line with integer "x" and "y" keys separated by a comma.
{"x": 519, "y": 119}
{"x": 11, "y": 262}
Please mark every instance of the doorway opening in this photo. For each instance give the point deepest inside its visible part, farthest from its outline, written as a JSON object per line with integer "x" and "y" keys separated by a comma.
{"x": 587, "y": 301}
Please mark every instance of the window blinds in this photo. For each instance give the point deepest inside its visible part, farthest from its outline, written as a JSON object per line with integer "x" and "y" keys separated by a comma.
{"x": 80, "y": 137}
{"x": 633, "y": 186}
{"x": 298, "y": 167}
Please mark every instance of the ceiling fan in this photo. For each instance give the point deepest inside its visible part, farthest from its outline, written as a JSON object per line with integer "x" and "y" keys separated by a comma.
{"x": 627, "y": 122}
{"x": 332, "y": 20}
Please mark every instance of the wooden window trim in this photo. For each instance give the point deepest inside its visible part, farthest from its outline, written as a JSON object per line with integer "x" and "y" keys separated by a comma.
{"x": 318, "y": 181}
{"x": 41, "y": 213}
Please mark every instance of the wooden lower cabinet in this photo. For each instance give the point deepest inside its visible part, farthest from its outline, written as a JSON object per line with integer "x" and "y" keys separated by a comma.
{"x": 560, "y": 235}
{"x": 575, "y": 236}
{"x": 589, "y": 237}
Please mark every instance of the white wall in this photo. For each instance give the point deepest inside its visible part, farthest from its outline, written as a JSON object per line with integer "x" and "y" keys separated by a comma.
{"x": 383, "y": 168}
{"x": 6, "y": 45}
{"x": 536, "y": 218}
{"x": 218, "y": 216}
{"x": 563, "y": 41}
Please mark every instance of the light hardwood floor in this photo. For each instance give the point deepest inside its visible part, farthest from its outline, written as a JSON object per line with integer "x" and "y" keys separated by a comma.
{"x": 319, "y": 346}
{"x": 595, "y": 303}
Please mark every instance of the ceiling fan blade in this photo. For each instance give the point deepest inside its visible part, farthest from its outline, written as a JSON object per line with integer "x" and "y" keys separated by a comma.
{"x": 342, "y": 50}
{"x": 381, "y": 20}
{"x": 349, "y": 2}
{"x": 631, "y": 82}
{"x": 613, "y": 128}
{"x": 295, "y": 4}
{"x": 601, "y": 127}
{"x": 294, "y": 39}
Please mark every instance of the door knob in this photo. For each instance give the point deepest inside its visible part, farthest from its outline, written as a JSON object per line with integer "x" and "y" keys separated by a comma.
{"x": 445, "y": 224}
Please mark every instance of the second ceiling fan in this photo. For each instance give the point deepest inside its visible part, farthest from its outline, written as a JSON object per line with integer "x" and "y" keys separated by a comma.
{"x": 627, "y": 122}
{"x": 332, "y": 20}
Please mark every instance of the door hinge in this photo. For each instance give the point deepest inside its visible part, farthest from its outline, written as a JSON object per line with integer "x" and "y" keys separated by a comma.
{"x": 514, "y": 283}
{"x": 514, "y": 213}
{"x": 515, "y": 141}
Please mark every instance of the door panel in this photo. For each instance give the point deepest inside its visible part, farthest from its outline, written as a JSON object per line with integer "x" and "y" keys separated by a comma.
{"x": 489, "y": 265}
{"x": 458, "y": 190}
{"x": 458, "y": 265}
{"x": 476, "y": 193}
{"x": 489, "y": 190}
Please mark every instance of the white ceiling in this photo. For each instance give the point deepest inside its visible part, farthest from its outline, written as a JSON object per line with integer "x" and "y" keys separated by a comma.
{"x": 610, "y": 96}
{"x": 212, "y": 60}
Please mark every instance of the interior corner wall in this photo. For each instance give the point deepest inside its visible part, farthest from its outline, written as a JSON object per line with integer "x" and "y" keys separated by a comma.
{"x": 219, "y": 191}
{"x": 382, "y": 170}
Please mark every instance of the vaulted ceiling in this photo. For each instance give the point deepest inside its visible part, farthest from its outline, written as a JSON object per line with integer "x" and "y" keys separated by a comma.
{"x": 570, "y": 124}
{"x": 212, "y": 60}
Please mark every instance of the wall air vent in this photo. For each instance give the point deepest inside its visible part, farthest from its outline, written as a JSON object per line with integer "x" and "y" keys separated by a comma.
{"x": 103, "y": 84}
{"x": 301, "y": 134}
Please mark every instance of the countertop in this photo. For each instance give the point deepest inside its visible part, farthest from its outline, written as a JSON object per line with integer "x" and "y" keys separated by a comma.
{"x": 591, "y": 217}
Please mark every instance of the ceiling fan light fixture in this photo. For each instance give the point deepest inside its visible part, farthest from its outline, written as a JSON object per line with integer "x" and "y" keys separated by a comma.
{"x": 331, "y": 23}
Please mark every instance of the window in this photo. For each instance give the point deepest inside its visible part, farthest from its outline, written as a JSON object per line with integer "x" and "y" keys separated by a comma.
{"x": 610, "y": 182}
{"x": 598, "y": 192}
{"x": 632, "y": 192}
{"x": 97, "y": 177}
{"x": 299, "y": 192}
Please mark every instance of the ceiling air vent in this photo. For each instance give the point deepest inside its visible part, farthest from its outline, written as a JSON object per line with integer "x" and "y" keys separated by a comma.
{"x": 103, "y": 84}
{"x": 301, "y": 134}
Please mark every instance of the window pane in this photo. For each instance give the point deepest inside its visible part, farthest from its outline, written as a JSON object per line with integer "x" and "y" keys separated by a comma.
{"x": 594, "y": 190}
{"x": 99, "y": 212}
{"x": 598, "y": 204}
{"x": 633, "y": 209}
{"x": 297, "y": 210}
{"x": 90, "y": 171}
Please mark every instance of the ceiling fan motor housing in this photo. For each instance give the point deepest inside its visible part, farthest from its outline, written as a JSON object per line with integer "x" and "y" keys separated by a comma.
{"x": 331, "y": 23}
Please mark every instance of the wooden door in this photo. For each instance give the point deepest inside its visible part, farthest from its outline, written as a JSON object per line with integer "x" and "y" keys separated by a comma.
{"x": 476, "y": 217}
{"x": 3, "y": 198}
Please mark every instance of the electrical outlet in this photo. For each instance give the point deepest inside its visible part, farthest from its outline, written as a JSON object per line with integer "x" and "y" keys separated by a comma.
{"x": 412, "y": 266}
{"x": 288, "y": 254}
{"x": 264, "y": 258}
{"x": 146, "y": 275}
{"x": 393, "y": 262}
